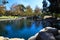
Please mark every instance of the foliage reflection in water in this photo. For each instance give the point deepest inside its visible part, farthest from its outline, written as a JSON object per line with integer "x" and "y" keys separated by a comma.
{"x": 20, "y": 28}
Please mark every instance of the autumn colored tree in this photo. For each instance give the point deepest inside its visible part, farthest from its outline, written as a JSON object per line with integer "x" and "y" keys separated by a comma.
{"x": 2, "y": 10}
{"x": 18, "y": 9}
{"x": 37, "y": 11}
{"x": 2, "y": 6}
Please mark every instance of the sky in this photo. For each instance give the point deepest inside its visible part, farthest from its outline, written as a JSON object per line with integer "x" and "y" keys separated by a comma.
{"x": 32, "y": 3}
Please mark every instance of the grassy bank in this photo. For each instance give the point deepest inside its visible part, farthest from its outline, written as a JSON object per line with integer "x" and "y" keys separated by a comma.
{"x": 8, "y": 17}
{"x": 3, "y": 18}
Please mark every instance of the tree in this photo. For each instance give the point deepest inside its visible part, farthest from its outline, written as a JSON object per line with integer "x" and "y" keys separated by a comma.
{"x": 2, "y": 7}
{"x": 37, "y": 11}
{"x": 28, "y": 11}
{"x": 18, "y": 9}
{"x": 21, "y": 8}
{"x": 2, "y": 10}
{"x": 8, "y": 13}
{"x": 54, "y": 7}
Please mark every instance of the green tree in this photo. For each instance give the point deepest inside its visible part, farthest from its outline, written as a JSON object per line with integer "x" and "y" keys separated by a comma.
{"x": 8, "y": 13}
{"x": 28, "y": 11}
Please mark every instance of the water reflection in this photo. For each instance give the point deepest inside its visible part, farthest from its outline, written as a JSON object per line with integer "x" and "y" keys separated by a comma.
{"x": 8, "y": 28}
{"x": 28, "y": 23}
{"x": 37, "y": 23}
{"x": 20, "y": 29}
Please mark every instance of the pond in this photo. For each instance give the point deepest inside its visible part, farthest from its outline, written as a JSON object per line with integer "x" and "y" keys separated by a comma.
{"x": 24, "y": 28}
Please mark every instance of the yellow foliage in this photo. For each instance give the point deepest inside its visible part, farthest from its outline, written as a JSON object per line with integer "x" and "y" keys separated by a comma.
{"x": 2, "y": 10}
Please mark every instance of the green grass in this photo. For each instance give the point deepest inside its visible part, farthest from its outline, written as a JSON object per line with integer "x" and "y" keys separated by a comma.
{"x": 8, "y": 17}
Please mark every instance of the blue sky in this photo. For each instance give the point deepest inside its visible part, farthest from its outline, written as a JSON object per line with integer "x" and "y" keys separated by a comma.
{"x": 32, "y": 3}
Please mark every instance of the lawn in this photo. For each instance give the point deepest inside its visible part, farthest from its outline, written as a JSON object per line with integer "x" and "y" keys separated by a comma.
{"x": 8, "y": 17}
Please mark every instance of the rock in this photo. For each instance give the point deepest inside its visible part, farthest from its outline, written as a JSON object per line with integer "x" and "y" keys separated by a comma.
{"x": 48, "y": 28}
{"x": 6, "y": 38}
{"x": 3, "y": 38}
{"x": 59, "y": 32}
{"x": 47, "y": 17}
{"x": 45, "y": 36}
{"x": 47, "y": 33}
{"x": 57, "y": 37}
{"x": 52, "y": 30}
{"x": 43, "y": 30}
{"x": 33, "y": 37}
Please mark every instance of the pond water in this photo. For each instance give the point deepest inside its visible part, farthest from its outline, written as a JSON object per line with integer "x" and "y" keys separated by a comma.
{"x": 24, "y": 28}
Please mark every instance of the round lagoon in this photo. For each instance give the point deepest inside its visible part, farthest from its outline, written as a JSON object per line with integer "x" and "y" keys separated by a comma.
{"x": 20, "y": 28}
